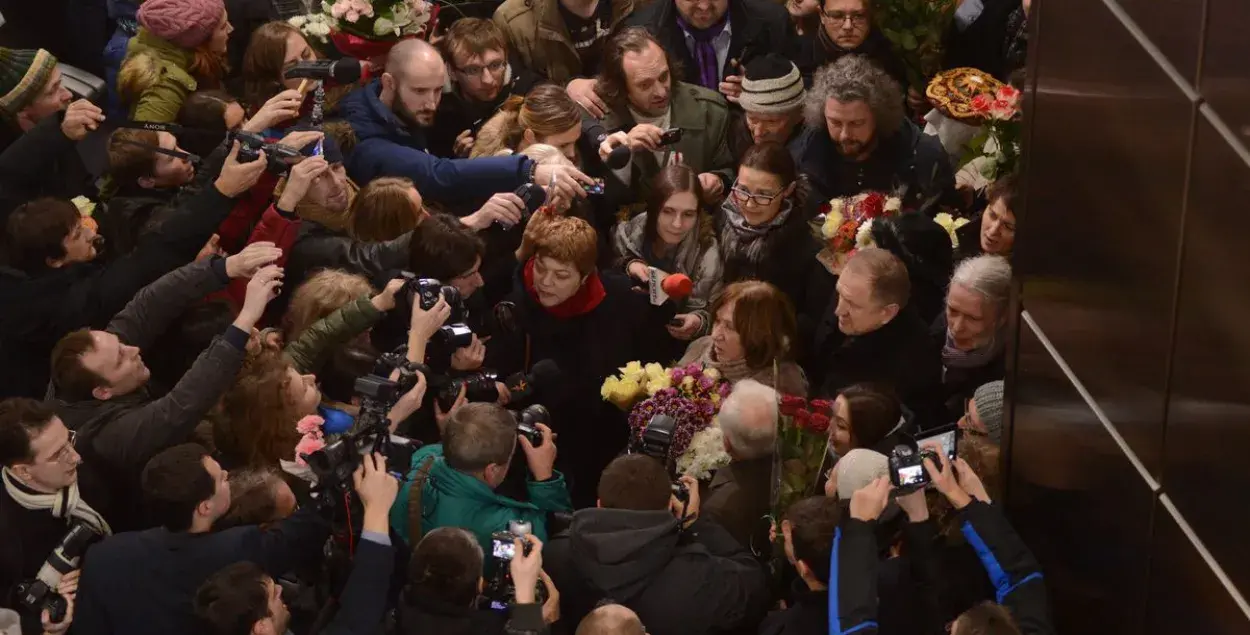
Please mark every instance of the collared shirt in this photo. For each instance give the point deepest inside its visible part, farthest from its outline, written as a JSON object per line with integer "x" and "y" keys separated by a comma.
{"x": 720, "y": 44}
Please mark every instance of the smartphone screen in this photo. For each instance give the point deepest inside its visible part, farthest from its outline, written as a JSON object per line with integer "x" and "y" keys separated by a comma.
{"x": 949, "y": 441}
{"x": 911, "y": 475}
{"x": 502, "y": 550}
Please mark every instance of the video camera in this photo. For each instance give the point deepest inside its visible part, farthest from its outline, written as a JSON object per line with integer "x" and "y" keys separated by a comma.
{"x": 501, "y": 589}
{"x": 40, "y": 593}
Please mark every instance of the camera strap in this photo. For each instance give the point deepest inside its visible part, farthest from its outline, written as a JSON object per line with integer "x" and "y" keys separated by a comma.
{"x": 417, "y": 488}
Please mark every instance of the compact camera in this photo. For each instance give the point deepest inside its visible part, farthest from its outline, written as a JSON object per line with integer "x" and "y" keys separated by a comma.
{"x": 500, "y": 589}
{"x": 907, "y": 467}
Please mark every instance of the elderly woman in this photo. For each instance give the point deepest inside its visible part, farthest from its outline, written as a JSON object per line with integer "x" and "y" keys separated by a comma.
{"x": 675, "y": 235}
{"x": 753, "y": 330}
{"x": 180, "y": 47}
{"x": 971, "y": 332}
{"x": 588, "y": 322}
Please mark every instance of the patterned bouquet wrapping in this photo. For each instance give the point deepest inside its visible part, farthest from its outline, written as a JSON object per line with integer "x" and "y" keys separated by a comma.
{"x": 845, "y": 225}
{"x": 691, "y": 395}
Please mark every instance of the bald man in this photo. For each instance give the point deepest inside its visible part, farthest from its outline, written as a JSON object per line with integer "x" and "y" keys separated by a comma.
{"x": 389, "y": 116}
{"x": 611, "y": 619}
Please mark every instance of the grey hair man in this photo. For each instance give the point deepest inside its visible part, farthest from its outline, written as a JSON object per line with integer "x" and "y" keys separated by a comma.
{"x": 858, "y": 138}
{"x": 738, "y": 495}
{"x": 611, "y": 619}
{"x": 971, "y": 330}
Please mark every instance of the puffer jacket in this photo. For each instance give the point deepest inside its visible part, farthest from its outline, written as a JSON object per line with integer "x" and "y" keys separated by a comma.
{"x": 168, "y": 65}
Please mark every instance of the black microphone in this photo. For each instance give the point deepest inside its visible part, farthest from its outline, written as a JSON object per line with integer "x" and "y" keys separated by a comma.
{"x": 522, "y": 386}
{"x": 596, "y": 133}
{"x": 344, "y": 71}
{"x": 619, "y": 157}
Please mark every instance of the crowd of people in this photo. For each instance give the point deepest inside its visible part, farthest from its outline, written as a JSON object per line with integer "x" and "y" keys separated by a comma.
{"x": 292, "y": 386}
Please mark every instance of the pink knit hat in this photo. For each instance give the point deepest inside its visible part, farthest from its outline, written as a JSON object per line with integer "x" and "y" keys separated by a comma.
{"x": 187, "y": 23}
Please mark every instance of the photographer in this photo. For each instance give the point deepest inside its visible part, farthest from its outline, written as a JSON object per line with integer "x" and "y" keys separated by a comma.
{"x": 142, "y": 583}
{"x": 54, "y": 283}
{"x": 47, "y": 490}
{"x": 242, "y": 598}
{"x": 463, "y": 472}
{"x": 1022, "y": 606}
{"x": 645, "y": 548}
{"x": 445, "y": 583}
{"x": 100, "y": 379}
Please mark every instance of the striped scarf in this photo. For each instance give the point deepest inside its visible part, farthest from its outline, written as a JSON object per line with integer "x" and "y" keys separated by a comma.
{"x": 66, "y": 503}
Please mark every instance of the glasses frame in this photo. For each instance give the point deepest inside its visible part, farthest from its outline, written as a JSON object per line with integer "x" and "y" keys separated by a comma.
{"x": 759, "y": 199}
{"x": 476, "y": 71}
{"x": 856, "y": 19}
{"x": 60, "y": 457}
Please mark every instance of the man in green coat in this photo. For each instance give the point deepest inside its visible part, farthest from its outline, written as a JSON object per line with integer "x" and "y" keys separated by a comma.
{"x": 463, "y": 472}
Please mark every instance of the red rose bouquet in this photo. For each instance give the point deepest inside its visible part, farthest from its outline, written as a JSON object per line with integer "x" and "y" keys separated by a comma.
{"x": 802, "y": 442}
{"x": 999, "y": 139}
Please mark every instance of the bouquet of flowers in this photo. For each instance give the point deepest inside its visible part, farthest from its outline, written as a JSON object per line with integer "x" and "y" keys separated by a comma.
{"x": 316, "y": 27}
{"x": 313, "y": 438}
{"x": 916, "y": 28}
{"x": 845, "y": 224}
{"x": 691, "y": 395}
{"x": 802, "y": 450}
{"x": 951, "y": 225}
{"x": 999, "y": 139}
{"x": 367, "y": 29}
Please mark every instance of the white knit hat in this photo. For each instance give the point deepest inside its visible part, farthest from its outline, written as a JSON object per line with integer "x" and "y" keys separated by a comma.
{"x": 771, "y": 84}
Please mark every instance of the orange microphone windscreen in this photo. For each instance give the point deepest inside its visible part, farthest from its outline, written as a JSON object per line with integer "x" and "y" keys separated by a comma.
{"x": 677, "y": 285}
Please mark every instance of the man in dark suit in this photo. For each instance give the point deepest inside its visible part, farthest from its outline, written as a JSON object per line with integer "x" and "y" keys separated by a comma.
{"x": 738, "y": 496}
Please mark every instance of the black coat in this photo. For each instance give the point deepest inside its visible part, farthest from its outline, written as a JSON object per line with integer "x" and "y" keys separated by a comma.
{"x": 40, "y": 162}
{"x": 958, "y": 384}
{"x": 130, "y": 213}
{"x": 983, "y": 44}
{"x": 457, "y": 114}
{"x": 679, "y": 583}
{"x": 757, "y": 27}
{"x": 807, "y": 614}
{"x": 906, "y": 161}
{"x": 432, "y": 616}
{"x": 900, "y": 355}
{"x": 587, "y": 348}
{"x": 814, "y": 50}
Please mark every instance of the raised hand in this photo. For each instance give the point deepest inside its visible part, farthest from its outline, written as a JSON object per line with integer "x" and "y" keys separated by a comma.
{"x": 254, "y": 256}
{"x": 81, "y": 118}
{"x": 236, "y": 178}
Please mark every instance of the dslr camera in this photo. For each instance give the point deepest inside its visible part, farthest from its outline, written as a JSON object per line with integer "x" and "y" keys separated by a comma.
{"x": 656, "y": 441}
{"x": 40, "y": 593}
{"x": 251, "y": 144}
{"x": 500, "y": 589}
{"x": 427, "y": 291}
{"x": 907, "y": 467}
{"x": 527, "y": 421}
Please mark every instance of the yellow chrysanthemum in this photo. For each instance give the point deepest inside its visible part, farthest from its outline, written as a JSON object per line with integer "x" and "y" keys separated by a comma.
{"x": 609, "y": 387}
{"x": 711, "y": 373}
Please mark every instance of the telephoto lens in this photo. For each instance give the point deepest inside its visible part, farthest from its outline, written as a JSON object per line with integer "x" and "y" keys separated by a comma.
{"x": 527, "y": 421}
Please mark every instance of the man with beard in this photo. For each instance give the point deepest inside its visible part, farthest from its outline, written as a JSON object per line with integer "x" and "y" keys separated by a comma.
{"x": 481, "y": 80}
{"x": 390, "y": 115}
{"x": 859, "y": 140}
{"x": 645, "y": 101}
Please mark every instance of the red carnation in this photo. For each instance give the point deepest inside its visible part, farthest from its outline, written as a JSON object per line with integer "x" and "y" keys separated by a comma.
{"x": 982, "y": 103}
{"x": 822, "y": 406}
{"x": 791, "y": 404}
{"x": 819, "y": 423}
{"x": 872, "y": 206}
{"x": 803, "y": 419}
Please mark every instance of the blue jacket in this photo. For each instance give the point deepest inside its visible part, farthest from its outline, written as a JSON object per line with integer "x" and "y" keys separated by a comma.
{"x": 123, "y": 12}
{"x": 386, "y": 147}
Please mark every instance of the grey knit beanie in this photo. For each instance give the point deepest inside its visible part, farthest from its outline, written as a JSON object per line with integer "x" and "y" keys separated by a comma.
{"x": 771, "y": 84}
{"x": 989, "y": 403}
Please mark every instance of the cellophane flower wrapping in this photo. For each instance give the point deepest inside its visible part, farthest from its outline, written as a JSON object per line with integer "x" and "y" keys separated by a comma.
{"x": 999, "y": 139}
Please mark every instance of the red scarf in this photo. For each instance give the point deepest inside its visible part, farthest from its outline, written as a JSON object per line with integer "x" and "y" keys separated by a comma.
{"x": 584, "y": 301}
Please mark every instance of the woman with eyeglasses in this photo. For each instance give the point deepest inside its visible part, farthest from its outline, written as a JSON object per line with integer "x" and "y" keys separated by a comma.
{"x": 675, "y": 235}
{"x": 764, "y": 233}
{"x": 846, "y": 28}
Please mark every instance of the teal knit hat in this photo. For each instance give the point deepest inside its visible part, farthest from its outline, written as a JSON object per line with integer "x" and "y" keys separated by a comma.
{"x": 23, "y": 75}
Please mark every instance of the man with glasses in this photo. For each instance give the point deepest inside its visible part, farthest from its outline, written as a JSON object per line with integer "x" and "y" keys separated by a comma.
{"x": 482, "y": 79}
{"x": 46, "y": 491}
{"x": 147, "y": 169}
{"x": 846, "y": 28}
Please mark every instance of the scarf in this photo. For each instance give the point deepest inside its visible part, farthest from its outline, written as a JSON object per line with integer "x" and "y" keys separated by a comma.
{"x": 733, "y": 372}
{"x": 588, "y": 296}
{"x": 66, "y": 503}
{"x": 704, "y": 52}
{"x": 976, "y": 358}
{"x": 742, "y": 241}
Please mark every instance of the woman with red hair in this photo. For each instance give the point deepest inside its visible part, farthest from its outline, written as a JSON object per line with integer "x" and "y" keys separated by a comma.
{"x": 180, "y": 47}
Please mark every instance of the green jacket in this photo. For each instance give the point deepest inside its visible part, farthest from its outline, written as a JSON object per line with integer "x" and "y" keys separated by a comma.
{"x": 539, "y": 37}
{"x": 309, "y": 351}
{"x": 161, "y": 101}
{"x": 703, "y": 116}
{"x": 451, "y": 498}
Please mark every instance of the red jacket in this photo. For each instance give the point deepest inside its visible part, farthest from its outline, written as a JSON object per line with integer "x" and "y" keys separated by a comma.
{"x": 274, "y": 227}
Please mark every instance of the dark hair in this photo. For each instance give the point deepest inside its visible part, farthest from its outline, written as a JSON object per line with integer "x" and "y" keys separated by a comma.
{"x": 764, "y": 318}
{"x": 813, "y": 522}
{"x": 71, "y": 379}
{"x": 873, "y": 412}
{"x": 613, "y": 86}
{"x": 21, "y": 419}
{"x": 234, "y": 599}
{"x": 676, "y": 178}
{"x": 478, "y": 435}
{"x": 773, "y": 158}
{"x": 174, "y": 483}
{"x": 447, "y": 565}
{"x": 987, "y": 618}
{"x": 442, "y": 247}
{"x": 129, "y": 162}
{"x": 635, "y": 482}
{"x": 252, "y": 498}
{"x": 204, "y": 110}
{"x": 263, "y": 62}
{"x": 1007, "y": 187}
{"x": 36, "y": 232}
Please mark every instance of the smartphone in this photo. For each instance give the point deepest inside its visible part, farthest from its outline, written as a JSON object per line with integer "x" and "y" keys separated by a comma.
{"x": 502, "y": 549}
{"x": 670, "y": 136}
{"x": 947, "y": 437}
{"x": 596, "y": 188}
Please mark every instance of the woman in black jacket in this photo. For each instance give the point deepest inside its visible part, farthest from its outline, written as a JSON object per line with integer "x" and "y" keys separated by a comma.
{"x": 589, "y": 323}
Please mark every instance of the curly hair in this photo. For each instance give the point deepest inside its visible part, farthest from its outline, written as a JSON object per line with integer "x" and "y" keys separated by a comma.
{"x": 856, "y": 78}
{"x": 257, "y": 427}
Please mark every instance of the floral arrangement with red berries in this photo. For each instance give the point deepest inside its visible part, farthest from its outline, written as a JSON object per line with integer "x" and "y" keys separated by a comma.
{"x": 845, "y": 225}
{"x": 999, "y": 139}
{"x": 692, "y": 398}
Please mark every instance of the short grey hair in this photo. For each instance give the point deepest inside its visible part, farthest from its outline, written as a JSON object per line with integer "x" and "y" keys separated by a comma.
{"x": 988, "y": 276}
{"x": 748, "y": 419}
{"x": 856, "y": 78}
{"x": 477, "y": 435}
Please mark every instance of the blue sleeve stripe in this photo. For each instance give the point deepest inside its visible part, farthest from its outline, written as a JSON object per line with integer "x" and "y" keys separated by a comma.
{"x": 835, "y": 621}
{"x": 998, "y": 577}
{"x": 1002, "y": 595}
{"x": 860, "y": 628}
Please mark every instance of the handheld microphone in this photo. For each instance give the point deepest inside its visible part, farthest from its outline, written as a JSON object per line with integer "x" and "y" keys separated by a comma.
{"x": 522, "y": 386}
{"x": 594, "y": 131}
{"x": 619, "y": 157}
{"x": 677, "y": 286}
{"x": 344, "y": 71}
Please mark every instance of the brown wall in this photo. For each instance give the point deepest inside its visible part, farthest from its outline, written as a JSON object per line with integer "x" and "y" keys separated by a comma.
{"x": 1130, "y": 433}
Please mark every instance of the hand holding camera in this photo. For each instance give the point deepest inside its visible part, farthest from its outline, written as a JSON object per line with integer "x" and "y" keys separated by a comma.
{"x": 868, "y": 502}
{"x": 377, "y": 490}
{"x": 526, "y": 567}
{"x": 425, "y": 323}
{"x": 385, "y": 301}
{"x": 263, "y": 287}
{"x": 409, "y": 403}
{"x": 505, "y": 208}
{"x": 301, "y": 178}
{"x": 684, "y": 503}
{"x": 236, "y": 177}
{"x": 541, "y": 458}
{"x": 470, "y": 357}
{"x": 564, "y": 181}
{"x": 959, "y": 485}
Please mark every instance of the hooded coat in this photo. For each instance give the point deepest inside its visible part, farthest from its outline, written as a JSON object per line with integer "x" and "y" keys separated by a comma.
{"x": 679, "y": 582}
